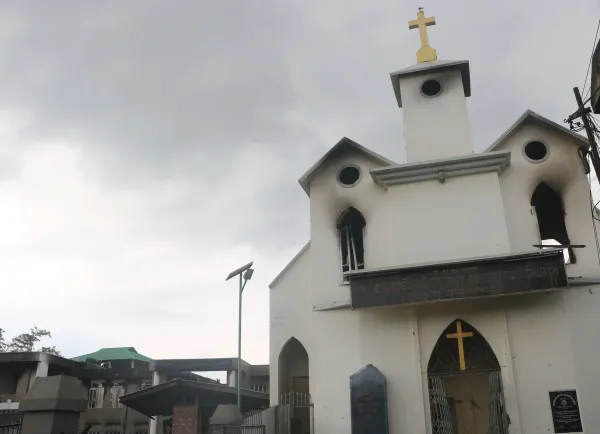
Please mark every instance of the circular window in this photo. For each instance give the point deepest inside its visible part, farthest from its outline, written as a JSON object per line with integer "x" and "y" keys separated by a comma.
{"x": 535, "y": 151}
{"x": 349, "y": 176}
{"x": 431, "y": 88}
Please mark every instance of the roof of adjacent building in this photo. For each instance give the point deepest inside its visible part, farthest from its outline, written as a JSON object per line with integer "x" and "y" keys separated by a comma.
{"x": 160, "y": 399}
{"x": 119, "y": 353}
{"x": 35, "y": 356}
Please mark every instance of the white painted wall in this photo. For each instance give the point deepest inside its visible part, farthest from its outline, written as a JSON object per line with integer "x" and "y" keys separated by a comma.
{"x": 543, "y": 342}
{"x": 290, "y": 316}
{"x": 436, "y": 127}
{"x": 412, "y": 223}
{"x": 581, "y": 306}
{"x": 561, "y": 171}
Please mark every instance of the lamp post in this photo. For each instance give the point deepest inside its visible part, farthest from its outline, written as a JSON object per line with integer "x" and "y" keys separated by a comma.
{"x": 245, "y": 274}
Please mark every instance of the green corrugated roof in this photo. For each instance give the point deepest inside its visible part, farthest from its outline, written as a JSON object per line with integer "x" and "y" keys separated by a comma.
{"x": 120, "y": 353}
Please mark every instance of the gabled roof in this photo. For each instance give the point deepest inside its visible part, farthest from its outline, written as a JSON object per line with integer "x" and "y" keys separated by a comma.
{"x": 289, "y": 264}
{"x": 119, "y": 353}
{"x": 533, "y": 117}
{"x": 340, "y": 146}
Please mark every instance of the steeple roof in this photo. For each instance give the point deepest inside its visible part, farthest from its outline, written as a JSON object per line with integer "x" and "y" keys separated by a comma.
{"x": 341, "y": 146}
{"x": 434, "y": 66}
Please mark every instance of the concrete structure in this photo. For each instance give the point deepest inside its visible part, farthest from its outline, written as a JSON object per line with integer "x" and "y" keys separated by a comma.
{"x": 53, "y": 406}
{"x": 108, "y": 375}
{"x": 460, "y": 347}
{"x": 255, "y": 378}
{"x": 18, "y": 372}
{"x": 188, "y": 406}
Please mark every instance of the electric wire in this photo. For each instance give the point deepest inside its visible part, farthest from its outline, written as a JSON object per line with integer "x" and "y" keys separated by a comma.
{"x": 594, "y": 219}
{"x": 592, "y": 95}
{"x": 591, "y": 58}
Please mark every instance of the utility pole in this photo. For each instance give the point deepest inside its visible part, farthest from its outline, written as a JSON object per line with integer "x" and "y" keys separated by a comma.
{"x": 245, "y": 274}
{"x": 582, "y": 113}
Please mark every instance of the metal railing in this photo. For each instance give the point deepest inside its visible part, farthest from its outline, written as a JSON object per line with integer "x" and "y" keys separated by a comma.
{"x": 244, "y": 429}
{"x": 10, "y": 421}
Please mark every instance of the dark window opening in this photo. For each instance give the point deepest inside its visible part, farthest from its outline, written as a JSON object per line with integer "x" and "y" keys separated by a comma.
{"x": 551, "y": 219}
{"x": 431, "y": 88}
{"x": 536, "y": 151}
{"x": 351, "y": 229}
{"x": 349, "y": 176}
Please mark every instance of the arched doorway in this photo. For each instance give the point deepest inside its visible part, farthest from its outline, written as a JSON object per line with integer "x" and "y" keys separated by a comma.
{"x": 293, "y": 381}
{"x": 465, "y": 384}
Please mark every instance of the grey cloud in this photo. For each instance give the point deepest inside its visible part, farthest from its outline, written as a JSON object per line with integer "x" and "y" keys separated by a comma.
{"x": 154, "y": 92}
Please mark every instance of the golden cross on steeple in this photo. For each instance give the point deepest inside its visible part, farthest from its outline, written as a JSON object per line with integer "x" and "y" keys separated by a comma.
{"x": 459, "y": 335}
{"x": 425, "y": 53}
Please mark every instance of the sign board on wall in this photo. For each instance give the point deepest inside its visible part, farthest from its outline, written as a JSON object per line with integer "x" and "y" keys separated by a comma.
{"x": 469, "y": 279}
{"x": 565, "y": 411}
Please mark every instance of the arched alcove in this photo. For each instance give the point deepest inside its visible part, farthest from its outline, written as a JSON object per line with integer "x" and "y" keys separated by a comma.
{"x": 293, "y": 367}
{"x": 294, "y": 384}
{"x": 465, "y": 384}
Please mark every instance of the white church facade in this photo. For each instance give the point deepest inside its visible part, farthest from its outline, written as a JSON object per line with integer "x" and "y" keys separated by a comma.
{"x": 423, "y": 302}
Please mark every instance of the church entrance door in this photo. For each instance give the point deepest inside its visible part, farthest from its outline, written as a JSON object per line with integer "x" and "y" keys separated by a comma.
{"x": 294, "y": 383}
{"x": 465, "y": 384}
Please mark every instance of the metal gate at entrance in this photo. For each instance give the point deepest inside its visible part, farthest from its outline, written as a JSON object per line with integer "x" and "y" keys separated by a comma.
{"x": 465, "y": 384}
{"x": 294, "y": 414}
{"x": 259, "y": 429}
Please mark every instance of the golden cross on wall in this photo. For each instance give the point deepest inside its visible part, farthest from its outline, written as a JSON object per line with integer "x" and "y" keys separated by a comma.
{"x": 425, "y": 53}
{"x": 459, "y": 335}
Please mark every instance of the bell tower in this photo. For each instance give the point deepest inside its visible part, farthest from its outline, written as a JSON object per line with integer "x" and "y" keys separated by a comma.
{"x": 433, "y": 95}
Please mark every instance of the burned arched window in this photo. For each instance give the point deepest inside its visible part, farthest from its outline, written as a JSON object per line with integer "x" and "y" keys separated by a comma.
{"x": 351, "y": 228}
{"x": 551, "y": 218}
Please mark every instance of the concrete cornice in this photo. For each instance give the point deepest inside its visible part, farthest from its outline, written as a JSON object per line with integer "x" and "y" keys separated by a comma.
{"x": 441, "y": 169}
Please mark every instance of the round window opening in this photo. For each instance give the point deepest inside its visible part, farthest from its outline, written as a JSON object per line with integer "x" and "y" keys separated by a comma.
{"x": 349, "y": 176}
{"x": 536, "y": 151}
{"x": 431, "y": 88}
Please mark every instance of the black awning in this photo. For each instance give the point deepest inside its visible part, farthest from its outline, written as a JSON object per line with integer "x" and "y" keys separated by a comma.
{"x": 159, "y": 400}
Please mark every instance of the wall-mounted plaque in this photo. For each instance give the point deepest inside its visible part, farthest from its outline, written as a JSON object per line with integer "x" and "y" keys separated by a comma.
{"x": 368, "y": 401}
{"x": 565, "y": 411}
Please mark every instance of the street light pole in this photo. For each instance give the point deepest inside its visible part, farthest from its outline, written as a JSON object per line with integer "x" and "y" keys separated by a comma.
{"x": 245, "y": 274}
{"x": 238, "y": 381}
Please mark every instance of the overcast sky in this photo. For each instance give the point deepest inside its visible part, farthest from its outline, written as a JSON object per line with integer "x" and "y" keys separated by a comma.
{"x": 147, "y": 148}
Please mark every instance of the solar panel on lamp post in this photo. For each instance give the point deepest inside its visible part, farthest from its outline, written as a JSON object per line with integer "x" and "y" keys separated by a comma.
{"x": 245, "y": 274}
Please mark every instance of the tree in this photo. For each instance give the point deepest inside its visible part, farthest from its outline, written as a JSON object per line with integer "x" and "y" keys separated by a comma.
{"x": 26, "y": 342}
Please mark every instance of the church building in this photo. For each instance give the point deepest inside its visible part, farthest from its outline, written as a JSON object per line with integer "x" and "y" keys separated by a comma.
{"x": 427, "y": 299}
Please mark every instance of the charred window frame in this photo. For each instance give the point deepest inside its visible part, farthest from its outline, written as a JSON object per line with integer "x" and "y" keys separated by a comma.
{"x": 550, "y": 214}
{"x": 351, "y": 231}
